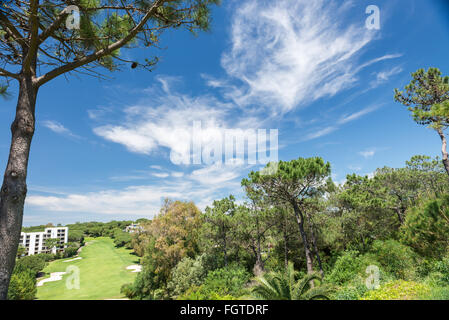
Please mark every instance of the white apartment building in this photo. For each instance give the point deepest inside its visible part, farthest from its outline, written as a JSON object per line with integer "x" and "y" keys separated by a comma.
{"x": 135, "y": 227}
{"x": 34, "y": 242}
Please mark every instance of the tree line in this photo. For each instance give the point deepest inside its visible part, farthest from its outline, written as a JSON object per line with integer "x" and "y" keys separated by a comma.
{"x": 298, "y": 219}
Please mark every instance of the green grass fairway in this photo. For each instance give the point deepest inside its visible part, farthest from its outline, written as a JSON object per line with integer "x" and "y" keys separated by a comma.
{"x": 102, "y": 273}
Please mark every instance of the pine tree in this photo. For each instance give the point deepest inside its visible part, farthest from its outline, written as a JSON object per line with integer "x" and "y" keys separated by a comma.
{"x": 41, "y": 40}
{"x": 427, "y": 97}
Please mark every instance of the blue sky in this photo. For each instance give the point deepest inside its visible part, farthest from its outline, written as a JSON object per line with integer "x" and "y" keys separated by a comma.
{"x": 310, "y": 69}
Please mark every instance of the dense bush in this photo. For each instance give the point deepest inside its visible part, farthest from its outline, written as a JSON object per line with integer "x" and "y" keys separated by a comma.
{"x": 122, "y": 239}
{"x": 76, "y": 236}
{"x": 22, "y": 285}
{"x": 398, "y": 290}
{"x": 395, "y": 258}
{"x": 23, "y": 280}
{"x": 148, "y": 285}
{"x": 350, "y": 266}
{"x": 34, "y": 263}
{"x": 70, "y": 252}
{"x": 96, "y": 229}
{"x": 436, "y": 293}
{"x": 351, "y": 291}
{"x": 443, "y": 268}
{"x": 438, "y": 276}
{"x": 46, "y": 256}
{"x": 188, "y": 273}
{"x": 225, "y": 283}
{"x": 426, "y": 228}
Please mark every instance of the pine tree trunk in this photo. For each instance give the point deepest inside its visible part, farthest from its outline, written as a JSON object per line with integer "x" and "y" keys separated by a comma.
{"x": 225, "y": 248}
{"x": 259, "y": 260}
{"x": 285, "y": 250}
{"x": 317, "y": 254}
{"x": 400, "y": 215}
{"x": 315, "y": 245}
{"x": 443, "y": 150}
{"x": 300, "y": 220}
{"x": 14, "y": 189}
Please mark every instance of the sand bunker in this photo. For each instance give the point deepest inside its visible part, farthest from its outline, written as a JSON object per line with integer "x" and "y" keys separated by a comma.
{"x": 54, "y": 276}
{"x": 72, "y": 259}
{"x": 135, "y": 268}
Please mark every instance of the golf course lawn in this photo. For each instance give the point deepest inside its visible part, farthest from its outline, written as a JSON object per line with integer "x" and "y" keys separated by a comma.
{"x": 102, "y": 272}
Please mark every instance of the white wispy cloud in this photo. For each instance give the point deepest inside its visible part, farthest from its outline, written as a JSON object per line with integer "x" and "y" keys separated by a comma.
{"x": 355, "y": 168}
{"x": 320, "y": 133}
{"x": 289, "y": 53}
{"x": 344, "y": 119}
{"x": 369, "y": 153}
{"x": 356, "y": 115}
{"x": 284, "y": 54}
{"x": 165, "y": 120}
{"x": 57, "y": 127}
{"x": 384, "y": 76}
{"x": 201, "y": 185}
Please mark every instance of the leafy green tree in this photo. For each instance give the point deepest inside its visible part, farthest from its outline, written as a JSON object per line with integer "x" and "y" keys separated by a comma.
{"x": 148, "y": 284}
{"x": 35, "y": 263}
{"x": 37, "y": 45}
{"x": 220, "y": 224}
{"x": 52, "y": 243}
{"x": 427, "y": 226}
{"x": 188, "y": 273}
{"x": 395, "y": 258}
{"x": 430, "y": 173}
{"x": 286, "y": 286}
{"x": 122, "y": 239}
{"x": 252, "y": 230}
{"x": 292, "y": 183}
{"x": 170, "y": 237}
{"x": 398, "y": 188}
{"x": 224, "y": 283}
{"x": 427, "y": 97}
{"x": 389, "y": 189}
{"x": 21, "y": 251}
{"x": 23, "y": 285}
{"x": 76, "y": 236}
{"x": 283, "y": 241}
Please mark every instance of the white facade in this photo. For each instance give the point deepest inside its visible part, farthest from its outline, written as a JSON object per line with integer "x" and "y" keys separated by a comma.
{"x": 135, "y": 227}
{"x": 34, "y": 242}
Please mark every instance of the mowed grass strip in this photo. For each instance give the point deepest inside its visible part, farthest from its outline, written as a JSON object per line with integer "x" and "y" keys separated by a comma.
{"x": 102, "y": 273}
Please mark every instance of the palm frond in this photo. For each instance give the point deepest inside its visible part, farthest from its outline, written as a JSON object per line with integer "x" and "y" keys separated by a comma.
{"x": 303, "y": 285}
{"x": 284, "y": 286}
{"x": 320, "y": 292}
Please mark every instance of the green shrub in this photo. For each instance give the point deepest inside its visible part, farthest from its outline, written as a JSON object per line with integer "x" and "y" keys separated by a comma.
{"x": 122, "y": 239}
{"x": 70, "y": 252}
{"x": 395, "y": 258}
{"x": 46, "y": 256}
{"x": 443, "y": 268}
{"x": 350, "y": 266}
{"x": 188, "y": 273}
{"x": 425, "y": 228}
{"x": 221, "y": 284}
{"x": 76, "y": 236}
{"x": 22, "y": 285}
{"x": 398, "y": 290}
{"x": 35, "y": 263}
{"x": 438, "y": 275}
{"x": 345, "y": 268}
{"x": 436, "y": 293}
{"x": 353, "y": 290}
{"x": 200, "y": 293}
